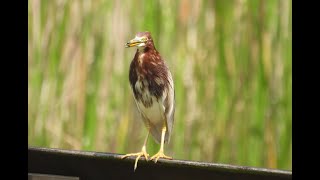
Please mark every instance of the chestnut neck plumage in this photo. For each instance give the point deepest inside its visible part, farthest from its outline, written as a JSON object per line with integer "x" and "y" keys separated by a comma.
{"x": 149, "y": 48}
{"x": 147, "y": 54}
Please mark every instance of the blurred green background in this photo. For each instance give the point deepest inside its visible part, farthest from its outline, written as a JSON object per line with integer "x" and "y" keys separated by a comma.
{"x": 231, "y": 62}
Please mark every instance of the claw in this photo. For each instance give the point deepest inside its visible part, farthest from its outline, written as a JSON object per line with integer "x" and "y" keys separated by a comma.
{"x": 160, "y": 154}
{"x": 139, "y": 154}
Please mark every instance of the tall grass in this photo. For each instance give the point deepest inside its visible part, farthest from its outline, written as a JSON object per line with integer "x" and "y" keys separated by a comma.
{"x": 231, "y": 63}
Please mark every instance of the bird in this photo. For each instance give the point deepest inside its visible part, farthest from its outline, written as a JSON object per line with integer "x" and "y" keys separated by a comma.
{"x": 153, "y": 91}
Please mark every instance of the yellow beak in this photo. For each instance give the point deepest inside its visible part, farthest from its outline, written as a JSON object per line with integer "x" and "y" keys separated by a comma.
{"x": 134, "y": 42}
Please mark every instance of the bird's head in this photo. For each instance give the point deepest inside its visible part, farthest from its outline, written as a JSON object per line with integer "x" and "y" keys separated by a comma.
{"x": 142, "y": 40}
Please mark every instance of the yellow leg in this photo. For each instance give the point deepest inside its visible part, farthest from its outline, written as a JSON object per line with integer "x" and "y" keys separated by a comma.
{"x": 160, "y": 154}
{"x": 139, "y": 154}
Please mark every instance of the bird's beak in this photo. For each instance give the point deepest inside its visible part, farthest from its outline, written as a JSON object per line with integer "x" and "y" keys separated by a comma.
{"x": 135, "y": 42}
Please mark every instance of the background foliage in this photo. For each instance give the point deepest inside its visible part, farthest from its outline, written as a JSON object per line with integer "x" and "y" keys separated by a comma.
{"x": 231, "y": 63}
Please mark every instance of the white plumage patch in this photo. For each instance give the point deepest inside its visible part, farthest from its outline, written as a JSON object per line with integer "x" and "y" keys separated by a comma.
{"x": 153, "y": 117}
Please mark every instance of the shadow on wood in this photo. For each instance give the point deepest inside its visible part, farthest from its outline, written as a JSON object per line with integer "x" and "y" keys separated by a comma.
{"x": 95, "y": 165}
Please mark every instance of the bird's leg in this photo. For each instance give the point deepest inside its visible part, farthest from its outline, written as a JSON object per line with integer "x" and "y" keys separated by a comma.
{"x": 139, "y": 154}
{"x": 160, "y": 154}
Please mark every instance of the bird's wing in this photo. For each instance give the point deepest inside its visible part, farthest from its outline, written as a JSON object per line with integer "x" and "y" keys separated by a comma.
{"x": 169, "y": 106}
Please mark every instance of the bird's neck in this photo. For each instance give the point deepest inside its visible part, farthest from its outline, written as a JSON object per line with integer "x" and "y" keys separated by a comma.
{"x": 147, "y": 54}
{"x": 140, "y": 56}
{"x": 141, "y": 49}
{"x": 147, "y": 48}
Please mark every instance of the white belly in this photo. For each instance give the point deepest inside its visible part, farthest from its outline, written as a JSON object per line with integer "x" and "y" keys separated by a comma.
{"x": 154, "y": 113}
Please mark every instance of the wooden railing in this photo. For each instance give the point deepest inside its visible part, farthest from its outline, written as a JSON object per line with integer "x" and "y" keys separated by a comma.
{"x": 46, "y": 163}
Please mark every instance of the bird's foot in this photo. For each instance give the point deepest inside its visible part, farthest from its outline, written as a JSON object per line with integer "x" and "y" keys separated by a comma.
{"x": 160, "y": 154}
{"x": 139, "y": 154}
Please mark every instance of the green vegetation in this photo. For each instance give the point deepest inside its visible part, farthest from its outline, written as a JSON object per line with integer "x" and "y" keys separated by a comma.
{"x": 231, "y": 63}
